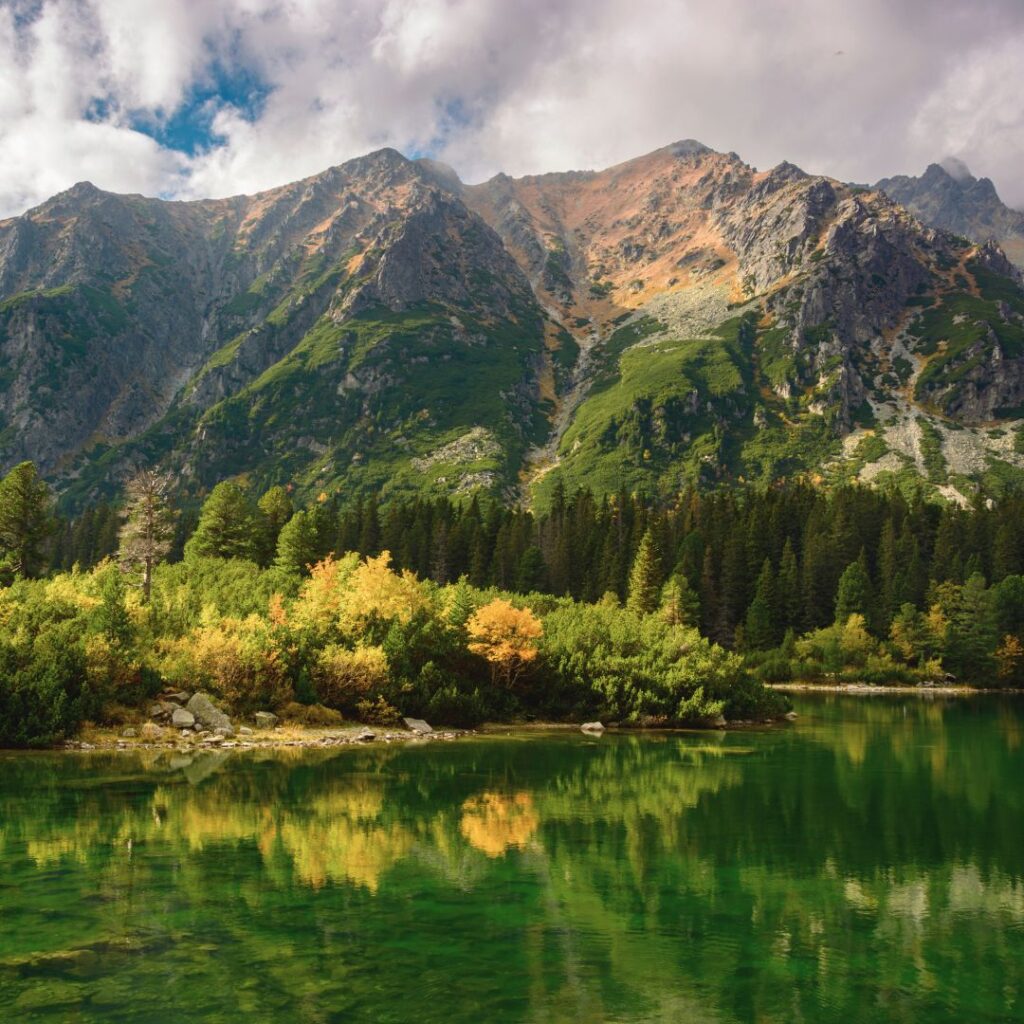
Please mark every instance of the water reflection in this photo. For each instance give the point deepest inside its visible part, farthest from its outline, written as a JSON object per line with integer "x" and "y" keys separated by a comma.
{"x": 864, "y": 865}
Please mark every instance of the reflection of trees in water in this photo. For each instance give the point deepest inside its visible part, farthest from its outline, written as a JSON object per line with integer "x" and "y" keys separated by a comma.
{"x": 688, "y": 876}
{"x": 496, "y": 822}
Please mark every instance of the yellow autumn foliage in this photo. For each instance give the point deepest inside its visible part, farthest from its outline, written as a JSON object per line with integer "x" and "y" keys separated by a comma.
{"x": 506, "y": 636}
{"x": 376, "y": 591}
{"x": 343, "y": 677}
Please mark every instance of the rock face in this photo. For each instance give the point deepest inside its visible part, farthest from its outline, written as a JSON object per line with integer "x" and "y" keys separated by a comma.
{"x": 209, "y": 716}
{"x": 948, "y": 196}
{"x": 146, "y": 315}
{"x": 383, "y": 321}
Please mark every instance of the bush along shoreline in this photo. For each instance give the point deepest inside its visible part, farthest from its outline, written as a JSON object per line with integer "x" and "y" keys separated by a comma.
{"x": 492, "y": 614}
{"x": 354, "y": 638}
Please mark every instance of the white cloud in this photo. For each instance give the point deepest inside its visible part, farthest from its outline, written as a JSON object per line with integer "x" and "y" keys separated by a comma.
{"x": 977, "y": 115}
{"x": 859, "y": 91}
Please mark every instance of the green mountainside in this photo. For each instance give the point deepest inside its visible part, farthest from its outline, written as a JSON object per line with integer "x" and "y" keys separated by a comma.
{"x": 382, "y": 328}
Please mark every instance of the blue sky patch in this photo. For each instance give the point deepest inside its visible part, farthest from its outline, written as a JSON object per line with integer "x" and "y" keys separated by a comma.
{"x": 189, "y": 129}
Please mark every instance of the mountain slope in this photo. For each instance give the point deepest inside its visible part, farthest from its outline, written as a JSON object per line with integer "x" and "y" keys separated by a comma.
{"x": 744, "y": 324}
{"x": 353, "y": 325}
{"x": 383, "y": 327}
{"x": 948, "y": 196}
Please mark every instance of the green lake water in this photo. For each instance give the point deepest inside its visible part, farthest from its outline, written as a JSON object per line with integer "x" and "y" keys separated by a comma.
{"x": 863, "y": 864}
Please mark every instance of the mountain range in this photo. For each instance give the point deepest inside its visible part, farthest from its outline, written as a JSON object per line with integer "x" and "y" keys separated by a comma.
{"x": 384, "y": 328}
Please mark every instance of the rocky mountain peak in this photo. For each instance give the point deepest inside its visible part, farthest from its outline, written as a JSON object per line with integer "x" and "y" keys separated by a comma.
{"x": 382, "y": 324}
{"x": 948, "y": 196}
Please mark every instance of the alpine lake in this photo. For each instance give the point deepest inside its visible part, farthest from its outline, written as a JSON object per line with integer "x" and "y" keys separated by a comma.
{"x": 865, "y": 863}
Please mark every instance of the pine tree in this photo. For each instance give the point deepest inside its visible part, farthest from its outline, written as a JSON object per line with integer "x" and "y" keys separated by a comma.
{"x": 532, "y": 574}
{"x": 297, "y": 547}
{"x": 26, "y": 522}
{"x": 112, "y": 619}
{"x": 369, "y": 530}
{"x": 227, "y": 526}
{"x": 645, "y": 578}
{"x": 148, "y": 529}
{"x": 275, "y": 509}
{"x": 787, "y": 589}
{"x": 680, "y": 603}
{"x": 761, "y": 627}
{"x": 854, "y": 594}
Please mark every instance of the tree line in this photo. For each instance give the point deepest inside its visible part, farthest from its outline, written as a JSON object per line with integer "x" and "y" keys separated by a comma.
{"x": 849, "y": 583}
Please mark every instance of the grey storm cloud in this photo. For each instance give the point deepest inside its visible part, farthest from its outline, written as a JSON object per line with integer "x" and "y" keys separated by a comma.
{"x": 858, "y": 90}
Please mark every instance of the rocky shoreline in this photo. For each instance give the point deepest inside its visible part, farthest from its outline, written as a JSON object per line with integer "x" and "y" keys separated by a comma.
{"x": 301, "y": 736}
{"x": 190, "y": 722}
{"x": 880, "y": 689}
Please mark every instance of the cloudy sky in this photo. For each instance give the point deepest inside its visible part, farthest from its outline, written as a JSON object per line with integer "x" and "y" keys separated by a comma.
{"x": 191, "y": 98}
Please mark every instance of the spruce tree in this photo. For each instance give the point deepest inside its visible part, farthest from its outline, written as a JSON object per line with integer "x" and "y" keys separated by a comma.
{"x": 227, "y": 526}
{"x": 761, "y": 630}
{"x": 297, "y": 543}
{"x": 854, "y": 594}
{"x": 532, "y": 574}
{"x": 26, "y": 522}
{"x": 680, "y": 603}
{"x": 645, "y": 578}
{"x": 275, "y": 509}
{"x": 787, "y": 589}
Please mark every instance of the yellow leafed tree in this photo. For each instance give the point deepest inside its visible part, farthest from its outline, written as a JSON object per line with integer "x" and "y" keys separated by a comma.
{"x": 376, "y": 591}
{"x": 506, "y": 636}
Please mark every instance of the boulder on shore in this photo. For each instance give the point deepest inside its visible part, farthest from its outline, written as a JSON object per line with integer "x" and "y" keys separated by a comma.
{"x": 182, "y": 719}
{"x": 151, "y": 731}
{"x": 265, "y": 720}
{"x": 209, "y": 715}
{"x": 592, "y": 727}
{"x": 418, "y": 726}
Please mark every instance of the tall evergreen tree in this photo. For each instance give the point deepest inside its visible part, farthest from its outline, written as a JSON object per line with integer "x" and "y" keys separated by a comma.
{"x": 532, "y": 573}
{"x": 27, "y": 522}
{"x": 787, "y": 588}
{"x": 227, "y": 526}
{"x": 645, "y": 578}
{"x": 275, "y": 509}
{"x": 680, "y": 603}
{"x": 761, "y": 628}
{"x": 854, "y": 594}
{"x": 297, "y": 546}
